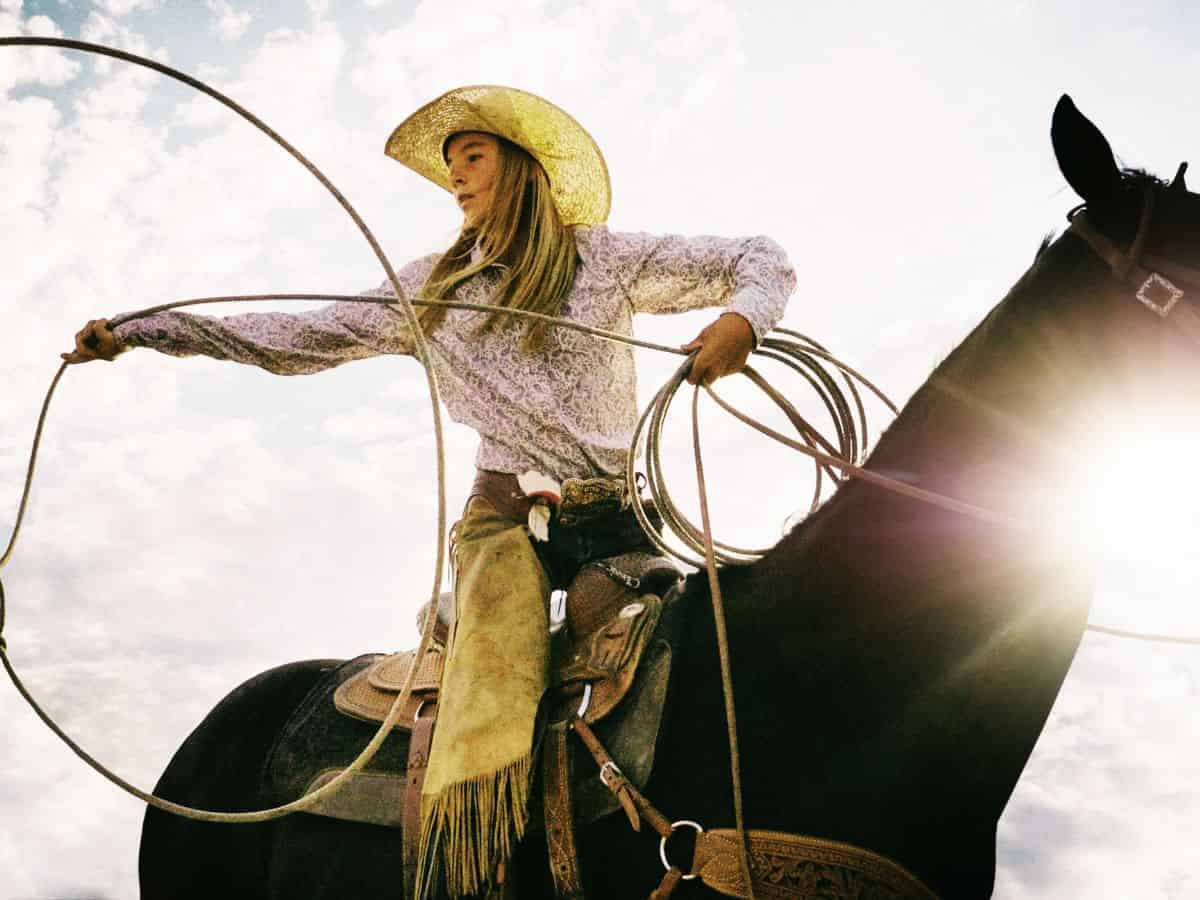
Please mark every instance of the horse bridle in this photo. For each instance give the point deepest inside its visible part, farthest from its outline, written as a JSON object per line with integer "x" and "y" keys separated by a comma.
{"x": 1156, "y": 279}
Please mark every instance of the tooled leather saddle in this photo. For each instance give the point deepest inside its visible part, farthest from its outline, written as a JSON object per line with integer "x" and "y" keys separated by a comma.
{"x": 612, "y": 656}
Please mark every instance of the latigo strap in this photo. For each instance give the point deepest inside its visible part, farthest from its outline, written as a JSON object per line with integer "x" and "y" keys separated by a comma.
{"x": 418, "y": 763}
{"x": 559, "y": 814}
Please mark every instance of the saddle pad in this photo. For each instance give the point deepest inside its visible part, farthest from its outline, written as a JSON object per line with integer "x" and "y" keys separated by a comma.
{"x": 317, "y": 737}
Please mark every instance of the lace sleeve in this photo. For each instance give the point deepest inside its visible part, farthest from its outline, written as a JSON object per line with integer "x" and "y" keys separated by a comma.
{"x": 672, "y": 273}
{"x": 286, "y": 343}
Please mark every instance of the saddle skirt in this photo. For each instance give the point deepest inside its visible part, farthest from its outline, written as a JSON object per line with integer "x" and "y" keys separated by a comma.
{"x": 620, "y": 658}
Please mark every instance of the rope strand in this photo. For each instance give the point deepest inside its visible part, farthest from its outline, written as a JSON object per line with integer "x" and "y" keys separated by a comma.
{"x": 718, "y": 608}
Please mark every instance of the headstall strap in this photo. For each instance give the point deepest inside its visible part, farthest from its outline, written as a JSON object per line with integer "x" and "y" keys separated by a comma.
{"x": 1155, "y": 290}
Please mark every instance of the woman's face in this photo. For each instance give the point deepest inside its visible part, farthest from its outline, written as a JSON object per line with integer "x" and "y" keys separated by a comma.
{"x": 473, "y": 159}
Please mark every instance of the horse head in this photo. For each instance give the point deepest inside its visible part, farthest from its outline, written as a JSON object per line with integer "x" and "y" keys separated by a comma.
{"x": 1146, "y": 338}
{"x": 1145, "y": 229}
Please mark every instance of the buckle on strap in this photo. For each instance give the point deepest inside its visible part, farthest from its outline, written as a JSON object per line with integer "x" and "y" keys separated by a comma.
{"x": 1159, "y": 294}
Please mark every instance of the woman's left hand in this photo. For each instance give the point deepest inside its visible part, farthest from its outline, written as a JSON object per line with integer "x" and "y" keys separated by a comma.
{"x": 724, "y": 346}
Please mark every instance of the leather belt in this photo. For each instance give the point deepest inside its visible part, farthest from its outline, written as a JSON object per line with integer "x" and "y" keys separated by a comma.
{"x": 583, "y": 499}
{"x": 502, "y": 491}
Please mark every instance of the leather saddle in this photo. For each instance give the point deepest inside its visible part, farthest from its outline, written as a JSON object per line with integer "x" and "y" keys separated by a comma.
{"x": 622, "y": 624}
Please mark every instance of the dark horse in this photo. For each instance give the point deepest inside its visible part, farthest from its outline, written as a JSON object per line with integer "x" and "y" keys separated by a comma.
{"x": 894, "y": 662}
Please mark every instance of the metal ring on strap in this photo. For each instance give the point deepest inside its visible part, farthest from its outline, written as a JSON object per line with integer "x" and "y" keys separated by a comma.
{"x": 662, "y": 843}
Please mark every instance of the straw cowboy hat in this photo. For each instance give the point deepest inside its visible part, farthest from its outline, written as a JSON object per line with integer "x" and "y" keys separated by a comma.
{"x": 573, "y": 163}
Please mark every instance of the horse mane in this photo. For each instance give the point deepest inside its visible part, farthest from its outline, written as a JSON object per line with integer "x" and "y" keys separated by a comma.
{"x": 1140, "y": 178}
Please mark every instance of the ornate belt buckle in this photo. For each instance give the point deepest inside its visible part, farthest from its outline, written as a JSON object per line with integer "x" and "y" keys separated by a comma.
{"x": 1159, "y": 294}
{"x": 584, "y": 499}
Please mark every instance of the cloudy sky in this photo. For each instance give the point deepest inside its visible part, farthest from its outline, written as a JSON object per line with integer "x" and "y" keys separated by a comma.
{"x": 196, "y": 522}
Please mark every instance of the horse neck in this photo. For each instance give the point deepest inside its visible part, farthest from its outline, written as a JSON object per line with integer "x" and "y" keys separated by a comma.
{"x": 986, "y": 427}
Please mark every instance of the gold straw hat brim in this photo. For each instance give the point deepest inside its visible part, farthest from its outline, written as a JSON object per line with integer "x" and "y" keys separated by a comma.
{"x": 576, "y": 169}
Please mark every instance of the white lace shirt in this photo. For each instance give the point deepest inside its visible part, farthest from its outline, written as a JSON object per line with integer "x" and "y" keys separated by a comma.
{"x": 568, "y": 410}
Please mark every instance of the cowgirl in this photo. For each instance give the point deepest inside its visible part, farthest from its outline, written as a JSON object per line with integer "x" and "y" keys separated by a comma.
{"x": 534, "y": 193}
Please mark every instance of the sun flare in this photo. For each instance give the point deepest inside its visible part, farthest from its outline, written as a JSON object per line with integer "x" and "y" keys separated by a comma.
{"x": 1135, "y": 501}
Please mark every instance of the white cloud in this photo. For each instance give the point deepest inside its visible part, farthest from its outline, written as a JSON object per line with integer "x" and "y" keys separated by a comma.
{"x": 230, "y": 24}
{"x": 32, "y": 65}
{"x": 121, "y": 8}
{"x": 26, "y": 135}
{"x": 369, "y": 424}
{"x": 267, "y": 84}
{"x": 566, "y": 53}
{"x": 101, "y": 29}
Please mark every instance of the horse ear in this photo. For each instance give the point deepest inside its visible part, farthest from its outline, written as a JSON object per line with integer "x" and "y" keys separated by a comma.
{"x": 1084, "y": 156}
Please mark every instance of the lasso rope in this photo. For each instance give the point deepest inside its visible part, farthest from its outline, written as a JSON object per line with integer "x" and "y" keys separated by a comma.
{"x": 802, "y": 355}
{"x": 808, "y": 359}
{"x": 718, "y": 608}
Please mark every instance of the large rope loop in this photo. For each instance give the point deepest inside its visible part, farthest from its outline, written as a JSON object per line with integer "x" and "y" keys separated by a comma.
{"x": 422, "y": 353}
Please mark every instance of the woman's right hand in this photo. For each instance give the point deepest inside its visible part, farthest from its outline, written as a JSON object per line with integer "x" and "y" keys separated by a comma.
{"x": 94, "y": 341}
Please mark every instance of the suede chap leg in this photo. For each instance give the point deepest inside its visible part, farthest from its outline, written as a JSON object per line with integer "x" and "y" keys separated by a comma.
{"x": 474, "y": 803}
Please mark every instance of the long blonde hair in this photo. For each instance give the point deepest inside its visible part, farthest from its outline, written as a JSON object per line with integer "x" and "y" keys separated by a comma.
{"x": 521, "y": 234}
